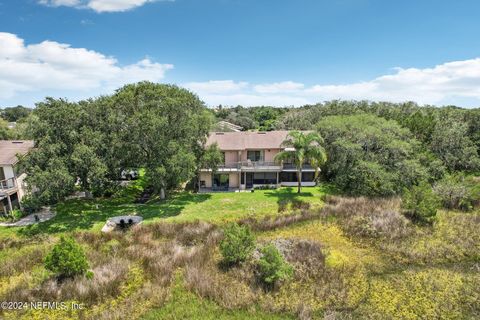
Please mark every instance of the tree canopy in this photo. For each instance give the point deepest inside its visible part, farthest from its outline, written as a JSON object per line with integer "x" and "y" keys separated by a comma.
{"x": 13, "y": 114}
{"x": 161, "y": 128}
{"x": 375, "y": 148}
{"x": 369, "y": 155}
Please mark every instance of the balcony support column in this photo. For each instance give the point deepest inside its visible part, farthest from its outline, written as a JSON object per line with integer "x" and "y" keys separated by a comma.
{"x": 9, "y": 203}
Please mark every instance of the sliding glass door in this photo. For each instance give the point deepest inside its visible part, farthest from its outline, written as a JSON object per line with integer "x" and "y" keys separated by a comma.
{"x": 220, "y": 181}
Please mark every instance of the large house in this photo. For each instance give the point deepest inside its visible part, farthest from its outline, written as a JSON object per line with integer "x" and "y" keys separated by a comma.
{"x": 249, "y": 163}
{"x": 11, "y": 180}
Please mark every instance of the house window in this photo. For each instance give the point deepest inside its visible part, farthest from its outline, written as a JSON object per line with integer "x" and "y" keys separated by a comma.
{"x": 255, "y": 155}
{"x": 2, "y": 174}
{"x": 223, "y": 157}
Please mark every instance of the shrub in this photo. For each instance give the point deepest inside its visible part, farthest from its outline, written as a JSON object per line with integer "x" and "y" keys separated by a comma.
{"x": 238, "y": 243}
{"x": 369, "y": 217}
{"x": 31, "y": 204}
{"x": 272, "y": 266}
{"x": 66, "y": 258}
{"x": 266, "y": 187}
{"x": 458, "y": 192}
{"x": 421, "y": 203}
{"x": 16, "y": 214}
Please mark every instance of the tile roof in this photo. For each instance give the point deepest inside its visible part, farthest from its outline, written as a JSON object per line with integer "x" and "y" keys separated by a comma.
{"x": 10, "y": 148}
{"x": 247, "y": 140}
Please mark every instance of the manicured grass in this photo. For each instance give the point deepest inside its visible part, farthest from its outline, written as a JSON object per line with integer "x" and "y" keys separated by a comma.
{"x": 223, "y": 207}
{"x": 179, "y": 207}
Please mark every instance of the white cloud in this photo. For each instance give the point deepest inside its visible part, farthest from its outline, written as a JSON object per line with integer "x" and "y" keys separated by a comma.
{"x": 99, "y": 5}
{"x": 286, "y": 86}
{"x": 218, "y": 86}
{"x": 430, "y": 85}
{"x": 51, "y": 66}
{"x": 456, "y": 82}
{"x": 115, "y": 5}
{"x": 247, "y": 99}
{"x": 57, "y": 3}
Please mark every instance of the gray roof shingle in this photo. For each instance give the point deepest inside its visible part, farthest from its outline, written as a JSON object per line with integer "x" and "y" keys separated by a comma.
{"x": 10, "y": 148}
{"x": 247, "y": 140}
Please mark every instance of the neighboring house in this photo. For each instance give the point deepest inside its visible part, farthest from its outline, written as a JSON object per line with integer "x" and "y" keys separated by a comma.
{"x": 11, "y": 181}
{"x": 224, "y": 126}
{"x": 249, "y": 162}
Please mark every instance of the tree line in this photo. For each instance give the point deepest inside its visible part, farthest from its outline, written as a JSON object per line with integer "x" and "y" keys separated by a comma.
{"x": 372, "y": 148}
{"x": 86, "y": 145}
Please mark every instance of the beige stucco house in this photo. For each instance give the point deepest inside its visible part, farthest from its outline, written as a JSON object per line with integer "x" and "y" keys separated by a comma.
{"x": 249, "y": 162}
{"x": 11, "y": 180}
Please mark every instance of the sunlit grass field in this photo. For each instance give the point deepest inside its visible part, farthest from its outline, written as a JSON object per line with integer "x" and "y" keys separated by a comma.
{"x": 184, "y": 206}
{"x": 172, "y": 265}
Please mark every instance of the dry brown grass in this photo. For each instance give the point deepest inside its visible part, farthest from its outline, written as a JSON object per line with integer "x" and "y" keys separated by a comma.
{"x": 281, "y": 221}
{"x": 141, "y": 265}
{"x": 206, "y": 277}
{"x": 22, "y": 260}
{"x": 157, "y": 249}
{"x": 14, "y": 242}
{"x": 369, "y": 217}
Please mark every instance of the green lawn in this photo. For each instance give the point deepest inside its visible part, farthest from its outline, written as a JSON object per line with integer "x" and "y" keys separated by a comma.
{"x": 179, "y": 207}
{"x": 431, "y": 272}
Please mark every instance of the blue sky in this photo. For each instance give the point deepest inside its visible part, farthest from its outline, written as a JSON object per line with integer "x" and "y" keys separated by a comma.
{"x": 281, "y": 52}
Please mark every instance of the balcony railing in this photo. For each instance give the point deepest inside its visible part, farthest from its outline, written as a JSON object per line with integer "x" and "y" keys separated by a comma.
{"x": 232, "y": 165}
{"x": 248, "y": 164}
{"x": 7, "y": 184}
{"x": 288, "y": 166}
{"x": 259, "y": 164}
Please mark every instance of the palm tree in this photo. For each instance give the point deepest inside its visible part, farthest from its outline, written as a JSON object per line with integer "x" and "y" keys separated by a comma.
{"x": 303, "y": 147}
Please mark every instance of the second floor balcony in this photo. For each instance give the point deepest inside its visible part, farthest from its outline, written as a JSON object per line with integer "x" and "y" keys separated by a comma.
{"x": 258, "y": 166}
{"x": 8, "y": 184}
{"x": 292, "y": 167}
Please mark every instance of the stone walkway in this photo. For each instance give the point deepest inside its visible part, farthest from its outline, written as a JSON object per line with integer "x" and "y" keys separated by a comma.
{"x": 44, "y": 215}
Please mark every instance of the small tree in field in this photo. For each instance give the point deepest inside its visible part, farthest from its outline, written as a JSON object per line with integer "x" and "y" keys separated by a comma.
{"x": 273, "y": 267}
{"x": 238, "y": 243}
{"x": 421, "y": 203}
{"x": 67, "y": 258}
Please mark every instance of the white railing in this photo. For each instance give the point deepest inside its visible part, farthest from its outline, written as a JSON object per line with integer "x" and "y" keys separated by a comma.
{"x": 290, "y": 166}
{"x": 260, "y": 164}
{"x": 7, "y": 184}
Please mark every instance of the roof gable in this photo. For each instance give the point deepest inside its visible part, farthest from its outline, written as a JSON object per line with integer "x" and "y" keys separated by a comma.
{"x": 10, "y": 148}
{"x": 248, "y": 140}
